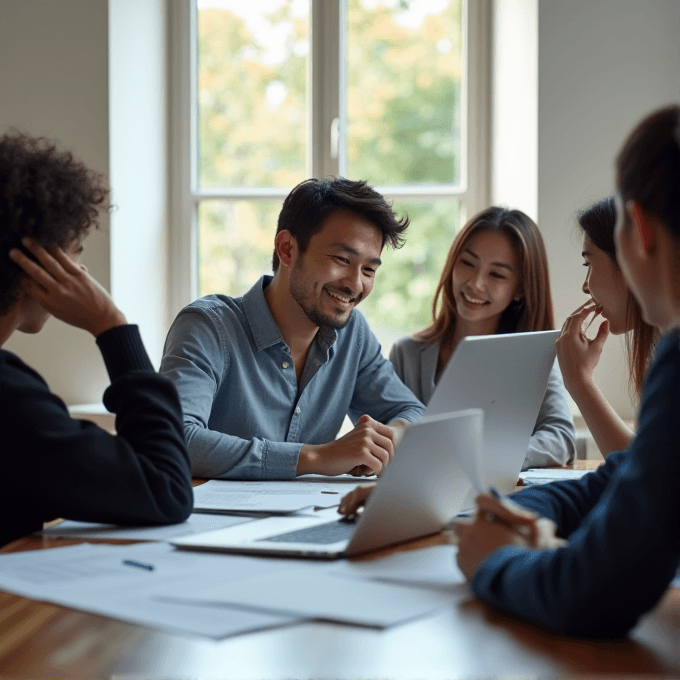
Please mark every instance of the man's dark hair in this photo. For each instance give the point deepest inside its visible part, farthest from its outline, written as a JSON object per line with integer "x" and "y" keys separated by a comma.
{"x": 648, "y": 167}
{"x": 45, "y": 194}
{"x": 311, "y": 202}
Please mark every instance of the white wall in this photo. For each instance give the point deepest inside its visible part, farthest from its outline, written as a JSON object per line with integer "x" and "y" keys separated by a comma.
{"x": 54, "y": 82}
{"x": 92, "y": 74}
{"x": 603, "y": 64}
{"x": 514, "y": 115}
{"x": 139, "y": 165}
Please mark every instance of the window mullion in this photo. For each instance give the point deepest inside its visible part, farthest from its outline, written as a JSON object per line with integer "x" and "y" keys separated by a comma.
{"x": 183, "y": 151}
{"x": 325, "y": 86}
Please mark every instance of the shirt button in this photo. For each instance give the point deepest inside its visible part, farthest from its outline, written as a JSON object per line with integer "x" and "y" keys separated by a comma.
{"x": 297, "y": 410}
{"x": 285, "y": 364}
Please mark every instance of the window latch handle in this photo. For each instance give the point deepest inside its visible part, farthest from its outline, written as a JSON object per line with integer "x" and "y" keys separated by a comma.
{"x": 335, "y": 138}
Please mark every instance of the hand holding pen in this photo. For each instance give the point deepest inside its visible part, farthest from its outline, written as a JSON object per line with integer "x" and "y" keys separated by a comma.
{"x": 499, "y": 522}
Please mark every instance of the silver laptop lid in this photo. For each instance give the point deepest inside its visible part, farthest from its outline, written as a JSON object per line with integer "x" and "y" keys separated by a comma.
{"x": 506, "y": 376}
{"x": 434, "y": 473}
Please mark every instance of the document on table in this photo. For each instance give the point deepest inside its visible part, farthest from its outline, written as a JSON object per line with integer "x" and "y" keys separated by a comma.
{"x": 206, "y": 594}
{"x": 319, "y": 595}
{"x": 121, "y": 582}
{"x": 433, "y": 567}
{"x": 269, "y": 497}
{"x": 546, "y": 475}
{"x": 196, "y": 524}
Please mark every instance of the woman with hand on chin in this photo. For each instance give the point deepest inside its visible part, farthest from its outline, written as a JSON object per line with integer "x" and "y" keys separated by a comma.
{"x": 53, "y": 465}
{"x": 610, "y": 298}
{"x": 495, "y": 280}
{"x": 621, "y": 522}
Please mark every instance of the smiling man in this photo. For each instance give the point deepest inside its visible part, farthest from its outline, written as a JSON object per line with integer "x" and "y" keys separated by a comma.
{"x": 267, "y": 379}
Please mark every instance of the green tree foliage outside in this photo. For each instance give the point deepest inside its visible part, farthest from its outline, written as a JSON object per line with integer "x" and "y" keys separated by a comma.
{"x": 403, "y": 129}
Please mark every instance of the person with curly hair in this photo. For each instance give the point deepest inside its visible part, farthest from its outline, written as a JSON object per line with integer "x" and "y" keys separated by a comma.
{"x": 56, "y": 466}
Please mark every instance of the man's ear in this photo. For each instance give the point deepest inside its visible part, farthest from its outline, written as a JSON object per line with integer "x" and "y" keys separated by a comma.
{"x": 286, "y": 245}
{"x": 644, "y": 225}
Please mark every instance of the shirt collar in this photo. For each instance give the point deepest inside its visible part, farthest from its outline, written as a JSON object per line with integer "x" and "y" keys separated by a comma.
{"x": 262, "y": 325}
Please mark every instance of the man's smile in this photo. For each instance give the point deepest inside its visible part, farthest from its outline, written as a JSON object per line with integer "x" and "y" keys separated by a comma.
{"x": 342, "y": 298}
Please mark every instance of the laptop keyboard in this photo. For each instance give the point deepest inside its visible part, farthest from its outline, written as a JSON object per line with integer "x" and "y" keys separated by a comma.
{"x": 331, "y": 532}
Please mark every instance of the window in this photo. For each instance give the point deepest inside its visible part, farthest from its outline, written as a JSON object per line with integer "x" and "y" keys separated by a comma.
{"x": 274, "y": 91}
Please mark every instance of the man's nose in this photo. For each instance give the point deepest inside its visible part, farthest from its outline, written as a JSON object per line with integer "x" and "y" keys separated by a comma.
{"x": 352, "y": 279}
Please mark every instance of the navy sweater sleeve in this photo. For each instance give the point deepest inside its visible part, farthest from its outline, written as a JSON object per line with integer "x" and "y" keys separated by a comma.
{"x": 56, "y": 466}
{"x": 622, "y": 524}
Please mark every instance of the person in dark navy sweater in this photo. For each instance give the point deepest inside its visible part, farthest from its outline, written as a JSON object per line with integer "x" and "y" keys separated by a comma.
{"x": 53, "y": 465}
{"x": 622, "y": 522}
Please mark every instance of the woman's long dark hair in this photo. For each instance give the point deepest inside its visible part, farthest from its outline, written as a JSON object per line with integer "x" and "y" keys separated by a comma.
{"x": 534, "y": 312}
{"x": 598, "y": 222}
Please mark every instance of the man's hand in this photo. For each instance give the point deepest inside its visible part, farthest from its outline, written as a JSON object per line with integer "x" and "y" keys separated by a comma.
{"x": 367, "y": 449}
{"x": 66, "y": 290}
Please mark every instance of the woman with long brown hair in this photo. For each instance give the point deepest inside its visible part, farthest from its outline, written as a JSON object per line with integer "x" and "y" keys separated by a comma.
{"x": 610, "y": 298}
{"x": 495, "y": 280}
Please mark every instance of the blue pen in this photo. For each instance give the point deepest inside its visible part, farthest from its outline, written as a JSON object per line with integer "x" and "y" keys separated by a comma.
{"x": 493, "y": 491}
{"x": 131, "y": 563}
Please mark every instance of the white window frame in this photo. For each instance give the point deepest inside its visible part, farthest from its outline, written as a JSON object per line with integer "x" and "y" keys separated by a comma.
{"x": 326, "y": 134}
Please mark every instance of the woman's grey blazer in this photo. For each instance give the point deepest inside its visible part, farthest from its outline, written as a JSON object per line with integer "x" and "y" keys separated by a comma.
{"x": 554, "y": 436}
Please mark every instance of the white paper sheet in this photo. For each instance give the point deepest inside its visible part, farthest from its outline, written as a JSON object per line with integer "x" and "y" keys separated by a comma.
{"x": 546, "y": 475}
{"x": 430, "y": 567}
{"x": 320, "y": 595}
{"x": 219, "y": 495}
{"x": 94, "y": 578}
{"x": 196, "y": 524}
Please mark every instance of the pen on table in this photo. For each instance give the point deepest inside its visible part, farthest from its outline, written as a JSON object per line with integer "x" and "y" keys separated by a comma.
{"x": 132, "y": 563}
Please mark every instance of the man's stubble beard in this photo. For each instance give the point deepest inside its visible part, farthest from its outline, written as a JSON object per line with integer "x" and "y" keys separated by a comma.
{"x": 298, "y": 293}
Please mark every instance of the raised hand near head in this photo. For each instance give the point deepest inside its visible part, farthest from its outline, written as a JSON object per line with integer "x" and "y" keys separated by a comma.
{"x": 66, "y": 290}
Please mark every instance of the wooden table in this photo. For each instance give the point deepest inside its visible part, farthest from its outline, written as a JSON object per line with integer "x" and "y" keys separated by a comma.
{"x": 470, "y": 640}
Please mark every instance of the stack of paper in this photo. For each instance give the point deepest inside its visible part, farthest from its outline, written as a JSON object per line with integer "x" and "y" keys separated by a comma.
{"x": 268, "y": 497}
{"x": 546, "y": 475}
{"x": 196, "y": 524}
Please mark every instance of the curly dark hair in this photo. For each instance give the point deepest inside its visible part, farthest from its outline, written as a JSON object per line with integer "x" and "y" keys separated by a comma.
{"x": 46, "y": 194}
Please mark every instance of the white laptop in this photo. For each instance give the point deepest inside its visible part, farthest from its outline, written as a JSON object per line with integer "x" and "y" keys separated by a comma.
{"x": 506, "y": 376}
{"x": 434, "y": 473}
